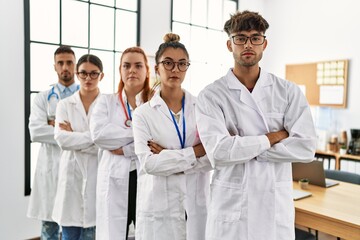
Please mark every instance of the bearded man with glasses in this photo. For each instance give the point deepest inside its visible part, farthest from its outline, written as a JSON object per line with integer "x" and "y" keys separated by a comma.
{"x": 252, "y": 124}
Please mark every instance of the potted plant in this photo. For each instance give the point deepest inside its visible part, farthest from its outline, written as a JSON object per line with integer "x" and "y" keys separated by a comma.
{"x": 343, "y": 149}
{"x": 304, "y": 183}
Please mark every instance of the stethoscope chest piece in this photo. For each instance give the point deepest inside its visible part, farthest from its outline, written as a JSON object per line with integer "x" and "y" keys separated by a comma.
{"x": 128, "y": 123}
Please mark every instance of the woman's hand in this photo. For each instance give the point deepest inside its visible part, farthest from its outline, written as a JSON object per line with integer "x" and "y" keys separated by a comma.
{"x": 66, "y": 126}
{"x": 118, "y": 151}
{"x": 154, "y": 147}
{"x": 199, "y": 150}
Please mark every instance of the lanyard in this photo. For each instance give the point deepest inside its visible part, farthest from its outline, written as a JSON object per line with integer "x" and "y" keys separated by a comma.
{"x": 128, "y": 120}
{"x": 182, "y": 139}
{"x": 129, "y": 110}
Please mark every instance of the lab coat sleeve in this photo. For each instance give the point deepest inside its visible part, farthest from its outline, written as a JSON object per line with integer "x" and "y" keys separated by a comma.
{"x": 108, "y": 135}
{"x": 222, "y": 146}
{"x": 168, "y": 161}
{"x": 40, "y": 130}
{"x": 129, "y": 151}
{"x": 202, "y": 165}
{"x": 69, "y": 140}
{"x": 300, "y": 146}
{"x": 93, "y": 149}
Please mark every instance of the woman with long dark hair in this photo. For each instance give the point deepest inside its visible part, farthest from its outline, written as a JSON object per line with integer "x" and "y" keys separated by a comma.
{"x": 74, "y": 207}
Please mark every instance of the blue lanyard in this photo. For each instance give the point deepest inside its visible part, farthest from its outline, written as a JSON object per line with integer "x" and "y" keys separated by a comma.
{"x": 129, "y": 110}
{"x": 182, "y": 139}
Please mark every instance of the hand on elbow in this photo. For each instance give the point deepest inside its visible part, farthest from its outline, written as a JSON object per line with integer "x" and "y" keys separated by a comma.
{"x": 199, "y": 150}
{"x": 275, "y": 137}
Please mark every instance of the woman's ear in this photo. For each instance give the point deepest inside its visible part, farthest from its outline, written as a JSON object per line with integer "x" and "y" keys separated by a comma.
{"x": 156, "y": 68}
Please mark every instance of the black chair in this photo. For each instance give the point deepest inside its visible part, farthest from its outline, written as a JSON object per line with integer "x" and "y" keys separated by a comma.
{"x": 343, "y": 176}
{"x": 303, "y": 235}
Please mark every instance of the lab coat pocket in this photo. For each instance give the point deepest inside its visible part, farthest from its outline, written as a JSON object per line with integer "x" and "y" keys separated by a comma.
{"x": 118, "y": 191}
{"x": 226, "y": 200}
{"x": 152, "y": 194}
{"x": 285, "y": 206}
{"x": 275, "y": 121}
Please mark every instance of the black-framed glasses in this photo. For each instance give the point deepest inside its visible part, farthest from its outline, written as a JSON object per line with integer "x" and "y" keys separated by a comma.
{"x": 170, "y": 65}
{"x": 93, "y": 75}
{"x": 254, "y": 40}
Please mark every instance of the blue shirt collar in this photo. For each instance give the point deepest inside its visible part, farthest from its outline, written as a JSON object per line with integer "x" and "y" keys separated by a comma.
{"x": 73, "y": 87}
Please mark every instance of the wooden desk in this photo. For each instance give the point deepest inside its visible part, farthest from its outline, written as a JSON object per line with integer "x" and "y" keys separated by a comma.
{"x": 334, "y": 210}
{"x": 337, "y": 157}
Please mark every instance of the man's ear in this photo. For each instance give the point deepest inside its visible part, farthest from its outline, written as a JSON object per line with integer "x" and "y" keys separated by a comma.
{"x": 156, "y": 69}
{"x": 265, "y": 44}
{"x": 228, "y": 44}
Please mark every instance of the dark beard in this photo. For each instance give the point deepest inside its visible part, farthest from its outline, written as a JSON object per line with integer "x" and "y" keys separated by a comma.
{"x": 66, "y": 77}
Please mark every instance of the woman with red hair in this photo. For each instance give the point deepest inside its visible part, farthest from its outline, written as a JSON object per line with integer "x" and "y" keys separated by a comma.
{"x": 111, "y": 130}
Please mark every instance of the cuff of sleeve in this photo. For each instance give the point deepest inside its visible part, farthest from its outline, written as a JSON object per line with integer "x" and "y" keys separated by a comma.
{"x": 265, "y": 145}
{"x": 190, "y": 157}
{"x": 128, "y": 150}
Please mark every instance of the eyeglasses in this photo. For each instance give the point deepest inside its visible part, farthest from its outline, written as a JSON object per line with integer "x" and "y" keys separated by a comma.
{"x": 254, "y": 40}
{"x": 84, "y": 75}
{"x": 170, "y": 65}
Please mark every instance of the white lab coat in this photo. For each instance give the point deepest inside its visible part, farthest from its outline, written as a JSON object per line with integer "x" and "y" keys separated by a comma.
{"x": 75, "y": 197}
{"x": 251, "y": 191}
{"x": 109, "y": 132}
{"x": 44, "y": 185}
{"x": 173, "y": 181}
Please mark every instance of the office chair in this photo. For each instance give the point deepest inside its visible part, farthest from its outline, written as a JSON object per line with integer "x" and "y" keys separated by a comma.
{"x": 303, "y": 235}
{"x": 343, "y": 176}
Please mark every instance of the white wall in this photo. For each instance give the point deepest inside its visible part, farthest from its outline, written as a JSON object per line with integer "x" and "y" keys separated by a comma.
{"x": 300, "y": 31}
{"x": 13, "y": 204}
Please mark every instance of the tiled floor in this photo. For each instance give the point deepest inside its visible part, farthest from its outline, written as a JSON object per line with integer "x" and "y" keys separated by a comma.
{"x": 322, "y": 236}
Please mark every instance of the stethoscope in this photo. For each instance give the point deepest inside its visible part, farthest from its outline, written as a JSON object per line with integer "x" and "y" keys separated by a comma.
{"x": 181, "y": 139}
{"x": 128, "y": 121}
{"x": 55, "y": 94}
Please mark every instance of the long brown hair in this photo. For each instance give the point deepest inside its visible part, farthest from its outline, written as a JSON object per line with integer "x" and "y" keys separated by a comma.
{"x": 145, "y": 95}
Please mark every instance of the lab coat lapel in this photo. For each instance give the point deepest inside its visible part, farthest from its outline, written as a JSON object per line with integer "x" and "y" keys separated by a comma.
{"x": 262, "y": 87}
{"x": 80, "y": 107}
{"x": 261, "y": 90}
{"x": 158, "y": 102}
{"x": 245, "y": 96}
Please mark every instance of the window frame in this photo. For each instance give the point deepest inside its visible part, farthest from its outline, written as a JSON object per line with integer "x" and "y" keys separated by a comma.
{"x": 27, "y": 68}
{"x": 206, "y": 28}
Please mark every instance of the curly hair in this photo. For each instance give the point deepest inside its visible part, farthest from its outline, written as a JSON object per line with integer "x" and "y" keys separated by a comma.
{"x": 245, "y": 21}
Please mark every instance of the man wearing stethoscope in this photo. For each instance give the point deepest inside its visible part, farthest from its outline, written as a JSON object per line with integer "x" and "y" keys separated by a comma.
{"x": 41, "y": 127}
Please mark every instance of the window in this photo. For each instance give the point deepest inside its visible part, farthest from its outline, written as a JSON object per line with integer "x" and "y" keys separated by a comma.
{"x": 101, "y": 27}
{"x": 199, "y": 24}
